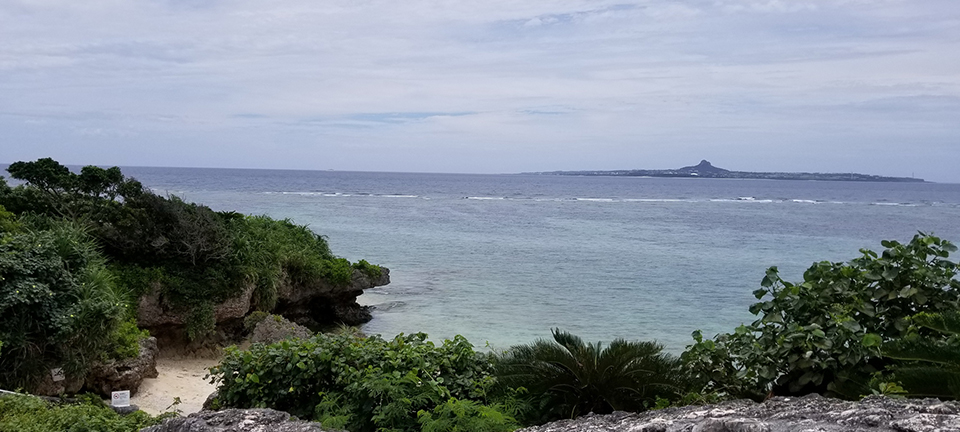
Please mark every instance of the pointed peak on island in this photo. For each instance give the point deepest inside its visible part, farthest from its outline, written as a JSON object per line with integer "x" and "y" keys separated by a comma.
{"x": 704, "y": 167}
{"x": 706, "y": 170}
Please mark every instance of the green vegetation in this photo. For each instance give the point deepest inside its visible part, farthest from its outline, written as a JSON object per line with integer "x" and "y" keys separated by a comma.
{"x": 59, "y": 303}
{"x": 823, "y": 335}
{"x": 368, "y": 384}
{"x": 567, "y": 378}
{"x": 31, "y": 414}
{"x": 78, "y": 250}
{"x": 931, "y": 363}
{"x": 195, "y": 256}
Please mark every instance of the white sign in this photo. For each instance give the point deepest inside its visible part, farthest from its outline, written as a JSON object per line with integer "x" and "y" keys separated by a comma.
{"x": 57, "y": 374}
{"x": 121, "y": 398}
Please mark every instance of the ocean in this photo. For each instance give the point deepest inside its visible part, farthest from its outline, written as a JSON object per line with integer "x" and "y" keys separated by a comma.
{"x": 502, "y": 259}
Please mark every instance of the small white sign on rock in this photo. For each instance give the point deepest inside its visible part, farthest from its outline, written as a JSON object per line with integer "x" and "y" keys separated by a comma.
{"x": 120, "y": 398}
{"x": 57, "y": 374}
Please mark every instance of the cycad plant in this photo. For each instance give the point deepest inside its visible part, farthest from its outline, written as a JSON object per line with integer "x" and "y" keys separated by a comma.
{"x": 934, "y": 361}
{"x": 566, "y": 377}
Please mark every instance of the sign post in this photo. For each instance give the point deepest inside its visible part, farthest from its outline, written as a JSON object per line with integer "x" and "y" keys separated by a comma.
{"x": 120, "y": 398}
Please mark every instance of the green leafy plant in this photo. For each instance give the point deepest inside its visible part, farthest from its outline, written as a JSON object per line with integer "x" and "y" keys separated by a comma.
{"x": 361, "y": 384}
{"x": 823, "y": 335}
{"x": 24, "y": 413}
{"x": 59, "y": 303}
{"x": 125, "y": 341}
{"x": 567, "y": 378}
{"x": 457, "y": 415}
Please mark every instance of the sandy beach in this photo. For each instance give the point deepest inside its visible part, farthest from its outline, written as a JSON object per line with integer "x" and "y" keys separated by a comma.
{"x": 179, "y": 378}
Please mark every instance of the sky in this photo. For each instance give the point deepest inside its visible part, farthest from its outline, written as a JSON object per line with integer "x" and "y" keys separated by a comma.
{"x": 493, "y": 86}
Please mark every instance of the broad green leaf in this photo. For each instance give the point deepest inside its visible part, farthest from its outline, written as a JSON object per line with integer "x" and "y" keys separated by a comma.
{"x": 871, "y": 340}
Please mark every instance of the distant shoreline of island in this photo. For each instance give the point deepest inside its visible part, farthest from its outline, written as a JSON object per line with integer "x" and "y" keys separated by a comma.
{"x": 706, "y": 170}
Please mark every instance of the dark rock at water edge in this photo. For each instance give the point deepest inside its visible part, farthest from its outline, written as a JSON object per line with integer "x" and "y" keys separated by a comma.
{"x": 236, "y": 420}
{"x": 322, "y": 304}
{"x": 779, "y": 414}
{"x": 314, "y": 305}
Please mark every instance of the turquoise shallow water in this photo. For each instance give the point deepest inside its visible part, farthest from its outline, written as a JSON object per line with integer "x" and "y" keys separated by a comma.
{"x": 503, "y": 258}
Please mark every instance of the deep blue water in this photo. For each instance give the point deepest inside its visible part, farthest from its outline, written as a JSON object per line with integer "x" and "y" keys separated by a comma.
{"x": 503, "y": 258}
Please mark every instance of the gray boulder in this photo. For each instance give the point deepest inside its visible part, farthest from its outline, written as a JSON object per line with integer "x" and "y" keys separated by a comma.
{"x": 105, "y": 378}
{"x": 276, "y": 328}
{"x": 237, "y": 420}
{"x": 779, "y": 414}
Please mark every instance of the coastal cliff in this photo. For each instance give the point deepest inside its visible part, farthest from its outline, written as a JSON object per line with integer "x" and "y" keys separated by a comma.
{"x": 315, "y": 303}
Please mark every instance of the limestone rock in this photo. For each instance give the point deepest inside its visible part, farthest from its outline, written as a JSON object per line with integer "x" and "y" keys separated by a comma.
{"x": 322, "y": 303}
{"x": 49, "y": 387}
{"x": 105, "y": 378}
{"x": 236, "y": 420}
{"x": 276, "y": 328}
{"x": 154, "y": 311}
{"x": 779, "y": 414}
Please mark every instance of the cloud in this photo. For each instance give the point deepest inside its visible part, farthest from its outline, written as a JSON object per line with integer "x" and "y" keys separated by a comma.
{"x": 649, "y": 80}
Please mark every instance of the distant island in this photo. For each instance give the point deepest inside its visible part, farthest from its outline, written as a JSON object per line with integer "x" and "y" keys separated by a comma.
{"x": 705, "y": 170}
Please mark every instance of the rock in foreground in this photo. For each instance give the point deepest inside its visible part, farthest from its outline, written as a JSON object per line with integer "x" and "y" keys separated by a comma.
{"x": 237, "y": 420}
{"x": 779, "y": 414}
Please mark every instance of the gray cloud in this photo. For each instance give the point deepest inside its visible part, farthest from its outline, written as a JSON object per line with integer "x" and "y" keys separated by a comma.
{"x": 498, "y": 86}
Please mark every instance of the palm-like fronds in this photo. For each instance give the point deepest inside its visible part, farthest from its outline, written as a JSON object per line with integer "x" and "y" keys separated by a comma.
{"x": 935, "y": 367}
{"x": 568, "y": 377}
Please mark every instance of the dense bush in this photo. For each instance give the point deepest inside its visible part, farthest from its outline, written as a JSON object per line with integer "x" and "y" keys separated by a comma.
{"x": 567, "y": 378}
{"x": 823, "y": 335}
{"x": 365, "y": 384}
{"x": 30, "y": 414}
{"x": 60, "y": 305}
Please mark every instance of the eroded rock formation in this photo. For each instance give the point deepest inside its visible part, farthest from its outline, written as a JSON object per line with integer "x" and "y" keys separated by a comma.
{"x": 806, "y": 414}
{"x": 316, "y": 304}
{"x": 276, "y": 328}
{"x": 237, "y": 420}
{"x": 322, "y": 303}
{"x": 105, "y": 378}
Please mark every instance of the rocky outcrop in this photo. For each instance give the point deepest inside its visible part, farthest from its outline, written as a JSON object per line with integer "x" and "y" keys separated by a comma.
{"x": 321, "y": 303}
{"x": 314, "y": 305}
{"x": 118, "y": 375}
{"x": 276, "y": 328}
{"x": 50, "y": 387}
{"x": 779, "y": 414}
{"x": 104, "y": 378}
{"x": 155, "y": 311}
{"x": 237, "y": 420}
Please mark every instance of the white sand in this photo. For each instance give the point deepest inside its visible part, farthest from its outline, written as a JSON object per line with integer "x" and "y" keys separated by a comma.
{"x": 179, "y": 377}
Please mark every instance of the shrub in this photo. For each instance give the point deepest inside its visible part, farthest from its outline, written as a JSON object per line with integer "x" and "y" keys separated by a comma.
{"x": 823, "y": 335}
{"x": 567, "y": 378}
{"x": 361, "y": 384}
{"x": 457, "y": 415}
{"x": 368, "y": 269}
{"x": 125, "y": 341}
{"x": 59, "y": 304}
{"x": 30, "y": 414}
